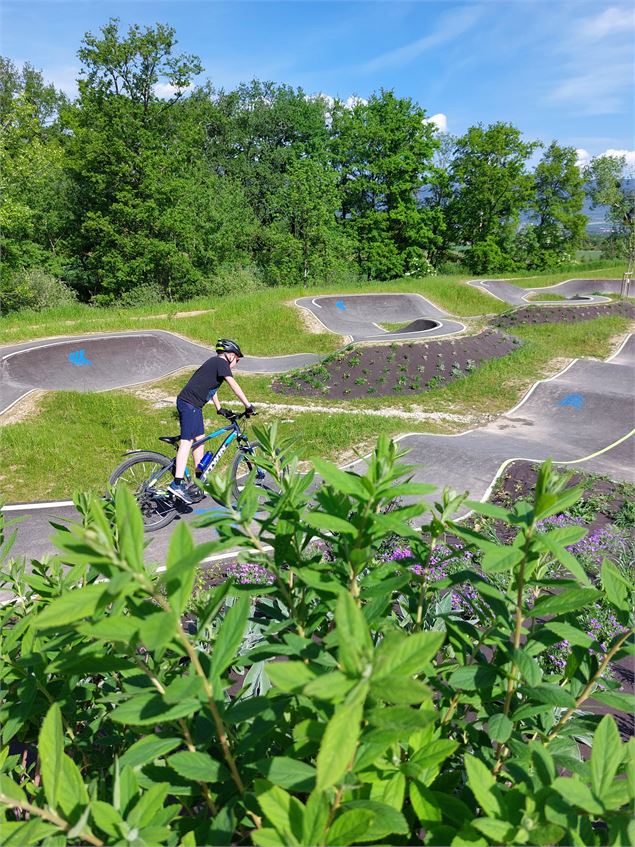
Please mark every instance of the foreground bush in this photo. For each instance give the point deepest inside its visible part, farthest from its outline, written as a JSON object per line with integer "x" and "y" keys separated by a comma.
{"x": 315, "y": 699}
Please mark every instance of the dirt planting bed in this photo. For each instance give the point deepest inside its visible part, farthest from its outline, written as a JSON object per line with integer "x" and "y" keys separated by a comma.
{"x": 563, "y": 314}
{"x": 397, "y": 369}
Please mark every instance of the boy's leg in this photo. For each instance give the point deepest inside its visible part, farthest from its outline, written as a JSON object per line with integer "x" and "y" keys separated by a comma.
{"x": 198, "y": 452}
{"x": 181, "y": 458}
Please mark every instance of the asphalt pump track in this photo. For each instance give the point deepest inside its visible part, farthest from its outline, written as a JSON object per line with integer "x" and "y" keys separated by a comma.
{"x": 577, "y": 292}
{"x": 105, "y": 361}
{"x": 581, "y": 418}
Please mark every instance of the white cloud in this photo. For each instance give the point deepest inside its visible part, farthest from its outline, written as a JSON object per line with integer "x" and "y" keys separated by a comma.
{"x": 350, "y": 102}
{"x": 584, "y": 157}
{"x": 63, "y": 77}
{"x": 440, "y": 121}
{"x": 165, "y": 91}
{"x": 609, "y": 22}
{"x": 450, "y": 27}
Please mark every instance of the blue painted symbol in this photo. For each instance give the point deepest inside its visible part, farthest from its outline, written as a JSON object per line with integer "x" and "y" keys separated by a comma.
{"x": 78, "y": 358}
{"x": 340, "y": 304}
{"x": 576, "y": 401}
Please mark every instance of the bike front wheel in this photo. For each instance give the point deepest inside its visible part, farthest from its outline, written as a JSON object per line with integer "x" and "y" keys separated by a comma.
{"x": 147, "y": 476}
{"x": 245, "y": 464}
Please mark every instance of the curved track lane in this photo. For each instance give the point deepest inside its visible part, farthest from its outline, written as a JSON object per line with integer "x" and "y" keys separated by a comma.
{"x": 358, "y": 316}
{"x": 113, "y": 360}
{"x": 581, "y": 417}
{"x": 578, "y": 292}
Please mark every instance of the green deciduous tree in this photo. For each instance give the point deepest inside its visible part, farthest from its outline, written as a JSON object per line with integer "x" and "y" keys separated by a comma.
{"x": 491, "y": 187}
{"x": 383, "y": 151}
{"x": 127, "y": 165}
{"x": 607, "y": 185}
{"x": 557, "y": 223}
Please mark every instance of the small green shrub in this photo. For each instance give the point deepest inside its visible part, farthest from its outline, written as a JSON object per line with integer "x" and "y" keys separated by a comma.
{"x": 398, "y": 715}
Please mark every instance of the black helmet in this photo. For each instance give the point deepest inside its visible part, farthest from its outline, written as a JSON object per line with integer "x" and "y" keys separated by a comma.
{"x": 225, "y": 345}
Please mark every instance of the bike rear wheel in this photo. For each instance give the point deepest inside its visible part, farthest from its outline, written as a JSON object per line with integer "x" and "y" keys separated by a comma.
{"x": 245, "y": 463}
{"x": 147, "y": 476}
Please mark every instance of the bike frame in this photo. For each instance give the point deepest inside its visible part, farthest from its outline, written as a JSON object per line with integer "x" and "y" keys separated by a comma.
{"x": 235, "y": 433}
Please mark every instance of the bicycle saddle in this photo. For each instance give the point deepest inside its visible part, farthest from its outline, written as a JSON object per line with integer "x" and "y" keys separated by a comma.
{"x": 170, "y": 439}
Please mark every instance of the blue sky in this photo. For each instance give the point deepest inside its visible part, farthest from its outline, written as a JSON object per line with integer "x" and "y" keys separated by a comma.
{"x": 557, "y": 69}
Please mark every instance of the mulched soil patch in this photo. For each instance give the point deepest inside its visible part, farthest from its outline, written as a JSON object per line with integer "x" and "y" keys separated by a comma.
{"x": 395, "y": 370}
{"x": 563, "y": 314}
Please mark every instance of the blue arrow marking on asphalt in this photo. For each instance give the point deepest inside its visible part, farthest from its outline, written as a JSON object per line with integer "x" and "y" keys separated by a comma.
{"x": 576, "y": 401}
{"x": 340, "y": 305}
{"x": 78, "y": 358}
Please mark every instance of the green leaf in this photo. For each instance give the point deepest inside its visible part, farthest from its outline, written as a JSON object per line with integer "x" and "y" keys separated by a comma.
{"x": 72, "y": 793}
{"x": 11, "y": 790}
{"x": 129, "y": 528}
{"x": 71, "y": 607}
{"x": 425, "y": 804}
{"x": 387, "y": 821}
{"x": 571, "y": 600}
{"x": 622, "y": 700}
{"x": 617, "y": 589}
{"x": 473, "y": 677}
{"x": 283, "y": 810}
{"x": 483, "y": 786}
{"x": 230, "y": 636}
{"x": 350, "y": 827}
{"x": 289, "y": 676}
{"x": 572, "y": 634}
{"x": 316, "y": 815}
{"x": 107, "y": 819}
{"x": 330, "y": 523}
{"x": 554, "y": 542}
{"x": 197, "y": 766}
{"x": 606, "y": 755}
{"x": 499, "y": 727}
{"x": 51, "y": 752}
{"x": 406, "y": 655}
{"x": 497, "y": 831}
{"x": 148, "y": 806}
{"x": 292, "y": 774}
{"x": 578, "y": 794}
{"x": 332, "y": 686}
{"x": 264, "y": 837}
{"x": 353, "y": 635}
{"x": 345, "y": 481}
{"x": 400, "y": 689}
{"x": 151, "y": 708}
{"x": 338, "y": 745}
{"x": 552, "y": 695}
{"x": 181, "y": 564}
{"x": 528, "y": 666}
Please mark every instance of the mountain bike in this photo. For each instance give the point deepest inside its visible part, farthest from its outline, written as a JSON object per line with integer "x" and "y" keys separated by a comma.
{"x": 148, "y": 474}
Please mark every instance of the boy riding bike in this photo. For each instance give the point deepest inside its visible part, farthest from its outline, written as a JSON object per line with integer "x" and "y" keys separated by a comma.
{"x": 201, "y": 388}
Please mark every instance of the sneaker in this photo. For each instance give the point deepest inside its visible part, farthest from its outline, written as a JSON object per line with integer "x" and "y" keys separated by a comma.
{"x": 195, "y": 493}
{"x": 179, "y": 490}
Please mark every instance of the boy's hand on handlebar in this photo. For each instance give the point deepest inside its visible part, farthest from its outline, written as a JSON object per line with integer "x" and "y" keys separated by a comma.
{"x": 249, "y": 411}
{"x": 226, "y": 413}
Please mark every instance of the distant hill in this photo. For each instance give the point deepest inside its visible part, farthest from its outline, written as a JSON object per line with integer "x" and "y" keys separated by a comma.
{"x": 596, "y": 223}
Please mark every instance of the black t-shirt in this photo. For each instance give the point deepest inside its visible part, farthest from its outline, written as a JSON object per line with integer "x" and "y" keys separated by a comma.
{"x": 205, "y": 382}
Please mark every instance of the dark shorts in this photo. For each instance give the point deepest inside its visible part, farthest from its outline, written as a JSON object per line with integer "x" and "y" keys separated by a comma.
{"x": 191, "y": 420}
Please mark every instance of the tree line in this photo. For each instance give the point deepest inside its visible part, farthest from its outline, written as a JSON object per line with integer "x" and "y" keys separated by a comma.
{"x": 148, "y": 185}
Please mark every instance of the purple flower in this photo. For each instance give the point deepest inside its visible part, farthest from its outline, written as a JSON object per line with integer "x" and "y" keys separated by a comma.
{"x": 250, "y": 573}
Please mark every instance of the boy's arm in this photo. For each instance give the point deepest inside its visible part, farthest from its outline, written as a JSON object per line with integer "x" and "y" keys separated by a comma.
{"x": 216, "y": 403}
{"x": 237, "y": 391}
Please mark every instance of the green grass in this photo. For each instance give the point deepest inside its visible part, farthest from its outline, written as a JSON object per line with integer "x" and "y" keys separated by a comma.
{"x": 50, "y": 456}
{"x": 522, "y": 280}
{"x": 392, "y": 327}
{"x": 78, "y": 439}
{"x": 545, "y": 297}
{"x": 263, "y": 321}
